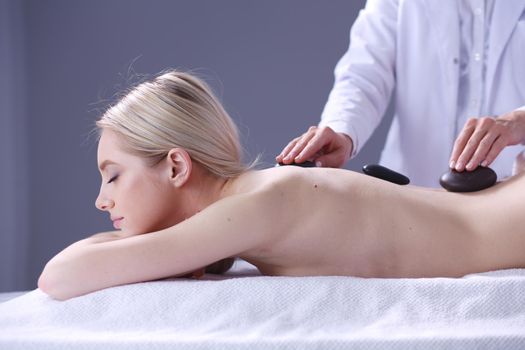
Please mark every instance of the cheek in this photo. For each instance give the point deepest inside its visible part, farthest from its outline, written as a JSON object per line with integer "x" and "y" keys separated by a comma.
{"x": 153, "y": 215}
{"x": 149, "y": 208}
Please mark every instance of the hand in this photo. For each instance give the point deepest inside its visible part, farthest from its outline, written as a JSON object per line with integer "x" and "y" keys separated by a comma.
{"x": 326, "y": 147}
{"x": 482, "y": 139}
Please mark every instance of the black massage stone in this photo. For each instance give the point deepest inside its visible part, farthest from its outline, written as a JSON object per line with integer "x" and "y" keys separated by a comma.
{"x": 384, "y": 173}
{"x": 468, "y": 181}
{"x": 306, "y": 164}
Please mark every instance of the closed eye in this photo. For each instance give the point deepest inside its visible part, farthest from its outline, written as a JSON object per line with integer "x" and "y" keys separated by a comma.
{"x": 112, "y": 179}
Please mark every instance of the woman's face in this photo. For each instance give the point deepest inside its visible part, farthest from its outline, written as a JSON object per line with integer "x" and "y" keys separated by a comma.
{"x": 139, "y": 198}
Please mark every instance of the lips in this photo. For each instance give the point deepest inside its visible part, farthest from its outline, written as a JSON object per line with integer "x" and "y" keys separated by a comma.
{"x": 117, "y": 222}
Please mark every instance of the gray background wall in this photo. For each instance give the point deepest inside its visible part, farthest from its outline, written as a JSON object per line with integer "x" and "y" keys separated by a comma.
{"x": 271, "y": 63}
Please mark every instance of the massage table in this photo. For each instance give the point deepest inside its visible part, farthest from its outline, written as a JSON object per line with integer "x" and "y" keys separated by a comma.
{"x": 244, "y": 310}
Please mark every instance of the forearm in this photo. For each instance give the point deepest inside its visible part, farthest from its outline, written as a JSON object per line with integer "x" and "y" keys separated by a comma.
{"x": 99, "y": 238}
{"x": 113, "y": 258}
{"x": 364, "y": 76}
{"x": 58, "y": 277}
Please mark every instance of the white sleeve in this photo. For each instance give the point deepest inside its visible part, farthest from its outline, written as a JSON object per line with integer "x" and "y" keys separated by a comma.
{"x": 364, "y": 76}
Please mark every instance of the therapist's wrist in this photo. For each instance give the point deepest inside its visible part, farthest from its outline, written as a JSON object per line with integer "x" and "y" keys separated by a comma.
{"x": 349, "y": 145}
{"x": 517, "y": 117}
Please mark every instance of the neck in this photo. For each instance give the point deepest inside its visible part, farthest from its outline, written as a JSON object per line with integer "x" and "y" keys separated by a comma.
{"x": 206, "y": 189}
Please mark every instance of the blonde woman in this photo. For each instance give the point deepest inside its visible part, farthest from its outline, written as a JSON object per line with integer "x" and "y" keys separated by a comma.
{"x": 175, "y": 188}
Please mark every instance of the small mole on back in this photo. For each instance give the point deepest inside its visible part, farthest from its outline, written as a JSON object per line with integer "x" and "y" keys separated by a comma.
{"x": 315, "y": 186}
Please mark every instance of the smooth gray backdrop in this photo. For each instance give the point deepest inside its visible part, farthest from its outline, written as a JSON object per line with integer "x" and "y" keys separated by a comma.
{"x": 271, "y": 63}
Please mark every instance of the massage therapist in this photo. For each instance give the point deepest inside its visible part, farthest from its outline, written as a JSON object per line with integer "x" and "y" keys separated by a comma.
{"x": 457, "y": 72}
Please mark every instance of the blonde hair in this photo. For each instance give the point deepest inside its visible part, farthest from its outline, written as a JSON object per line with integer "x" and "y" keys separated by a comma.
{"x": 177, "y": 109}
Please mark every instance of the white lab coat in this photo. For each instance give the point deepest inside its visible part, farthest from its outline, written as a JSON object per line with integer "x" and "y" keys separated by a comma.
{"x": 413, "y": 45}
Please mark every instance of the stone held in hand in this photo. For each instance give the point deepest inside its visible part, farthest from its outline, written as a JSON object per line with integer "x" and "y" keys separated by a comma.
{"x": 468, "y": 181}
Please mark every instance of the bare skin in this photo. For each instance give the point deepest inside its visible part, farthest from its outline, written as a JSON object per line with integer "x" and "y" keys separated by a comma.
{"x": 292, "y": 221}
{"x": 479, "y": 143}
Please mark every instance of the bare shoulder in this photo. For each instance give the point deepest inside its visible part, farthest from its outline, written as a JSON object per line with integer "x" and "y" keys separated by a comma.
{"x": 242, "y": 221}
{"x": 273, "y": 180}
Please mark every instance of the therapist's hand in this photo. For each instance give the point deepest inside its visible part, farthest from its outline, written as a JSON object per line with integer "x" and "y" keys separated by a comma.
{"x": 320, "y": 144}
{"x": 482, "y": 140}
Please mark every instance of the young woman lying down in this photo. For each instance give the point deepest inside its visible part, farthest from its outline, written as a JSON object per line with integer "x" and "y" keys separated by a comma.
{"x": 175, "y": 188}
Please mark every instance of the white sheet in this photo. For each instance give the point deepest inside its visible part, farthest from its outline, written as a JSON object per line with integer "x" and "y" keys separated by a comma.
{"x": 255, "y": 312}
{"x": 10, "y": 295}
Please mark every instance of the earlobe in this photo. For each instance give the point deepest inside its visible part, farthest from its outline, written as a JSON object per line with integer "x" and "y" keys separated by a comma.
{"x": 180, "y": 166}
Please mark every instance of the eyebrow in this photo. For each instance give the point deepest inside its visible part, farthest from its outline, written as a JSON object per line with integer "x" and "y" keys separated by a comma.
{"x": 106, "y": 163}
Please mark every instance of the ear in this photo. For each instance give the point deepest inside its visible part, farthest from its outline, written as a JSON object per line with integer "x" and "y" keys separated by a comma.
{"x": 180, "y": 165}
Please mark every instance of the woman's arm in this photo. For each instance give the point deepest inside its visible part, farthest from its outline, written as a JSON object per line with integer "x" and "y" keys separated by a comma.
{"x": 99, "y": 238}
{"x": 226, "y": 228}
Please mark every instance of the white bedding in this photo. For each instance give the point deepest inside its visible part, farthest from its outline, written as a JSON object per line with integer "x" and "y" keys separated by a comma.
{"x": 10, "y": 295}
{"x": 255, "y": 312}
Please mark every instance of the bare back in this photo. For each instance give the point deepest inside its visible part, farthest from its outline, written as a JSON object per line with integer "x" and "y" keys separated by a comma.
{"x": 336, "y": 222}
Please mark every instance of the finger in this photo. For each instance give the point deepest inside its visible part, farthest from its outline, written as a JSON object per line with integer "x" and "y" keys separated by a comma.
{"x": 299, "y": 146}
{"x": 313, "y": 147}
{"x": 461, "y": 141}
{"x": 483, "y": 149}
{"x": 289, "y": 147}
{"x": 470, "y": 148}
{"x": 286, "y": 151}
{"x": 483, "y": 127}
{"x": 499, "y": 144}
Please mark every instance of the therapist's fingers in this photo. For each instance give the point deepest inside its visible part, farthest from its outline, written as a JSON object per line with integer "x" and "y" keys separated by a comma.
{"x": 499, "y": 144}
{"x": 462, "y": 140}
{"x": 286, "y": 150}
{"x": 316, "y": 144}
{"x": 330, "y": 149}
{"x": 471, "y": 147}
{"x": 295, "y": 146}
{"x": 321, "y": 138}
{"x": 486, "y": 142}
{"x": 301, "y": 145}
{"x": 483, "y": 139}
{"x": 484, "y": 147}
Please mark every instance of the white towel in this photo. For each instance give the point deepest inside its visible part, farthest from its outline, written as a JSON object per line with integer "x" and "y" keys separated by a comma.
{"x": 256, "y": 312}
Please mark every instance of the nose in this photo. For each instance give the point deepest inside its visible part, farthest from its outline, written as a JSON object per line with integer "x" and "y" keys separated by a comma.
{"x": 103, "y": 203}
